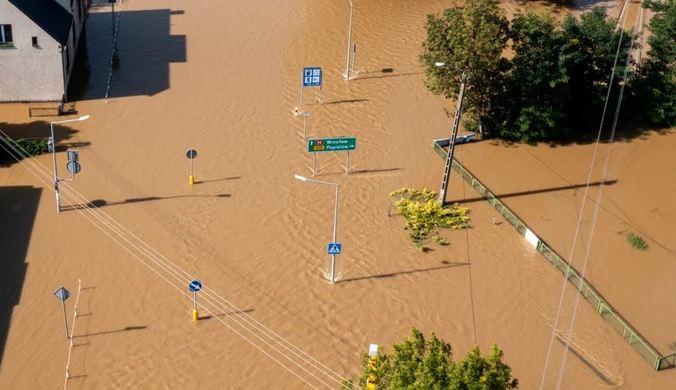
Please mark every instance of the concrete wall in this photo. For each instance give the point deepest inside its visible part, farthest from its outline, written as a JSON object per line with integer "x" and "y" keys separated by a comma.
{"x": 29, "y": 73}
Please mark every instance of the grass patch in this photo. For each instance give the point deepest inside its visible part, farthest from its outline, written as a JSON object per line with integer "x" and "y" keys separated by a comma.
{"x": 424, "y": 214}
{"x": 637, "y": 242}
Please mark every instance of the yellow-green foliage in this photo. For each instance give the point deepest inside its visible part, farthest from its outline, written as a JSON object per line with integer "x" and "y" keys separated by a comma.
{"x": 424, "y": 213}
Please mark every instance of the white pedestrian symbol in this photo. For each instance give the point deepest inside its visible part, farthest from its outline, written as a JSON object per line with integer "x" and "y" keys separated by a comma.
{"x": 334, "y": 249}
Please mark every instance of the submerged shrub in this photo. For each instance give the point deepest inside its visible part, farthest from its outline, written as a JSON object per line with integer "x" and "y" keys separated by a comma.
{"x": 424, "y": 214}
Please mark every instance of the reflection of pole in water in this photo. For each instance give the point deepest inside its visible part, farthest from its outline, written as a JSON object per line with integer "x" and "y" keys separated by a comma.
{"x": 112, "y": 13}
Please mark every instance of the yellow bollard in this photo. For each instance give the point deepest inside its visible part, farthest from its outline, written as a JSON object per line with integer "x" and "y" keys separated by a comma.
{"x": 191, "y": 180}
{"x": 195, "y": 312}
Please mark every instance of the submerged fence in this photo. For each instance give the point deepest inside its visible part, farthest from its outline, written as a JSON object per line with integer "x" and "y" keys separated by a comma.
{"x": 583, "y": 287}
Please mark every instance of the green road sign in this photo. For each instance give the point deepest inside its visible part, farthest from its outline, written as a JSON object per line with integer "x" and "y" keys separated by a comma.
{"x": 344, "y": 144}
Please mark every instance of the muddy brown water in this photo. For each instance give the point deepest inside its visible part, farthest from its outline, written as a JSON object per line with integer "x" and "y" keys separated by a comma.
{"x": 223, "y": 79}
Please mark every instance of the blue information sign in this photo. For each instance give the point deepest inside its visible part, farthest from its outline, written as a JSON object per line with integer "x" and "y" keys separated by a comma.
{"x": 195, "y": 286}
{"x": 335, "y": 248}
{"x": 312, "y": 77}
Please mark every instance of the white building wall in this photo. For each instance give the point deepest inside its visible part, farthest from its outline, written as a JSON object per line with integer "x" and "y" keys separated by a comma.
{"x": 29, "y": 73}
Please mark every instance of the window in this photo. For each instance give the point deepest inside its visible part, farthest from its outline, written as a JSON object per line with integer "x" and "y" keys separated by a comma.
{"x": 34, "y": 41}
{"x": 6, "y": 35}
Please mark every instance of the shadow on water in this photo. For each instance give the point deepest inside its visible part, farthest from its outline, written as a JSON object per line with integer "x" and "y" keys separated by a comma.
{"x": 446, "y": 264}
{"x": 18, "y": 208}
{"x": 101, "y": 203}
{"x": 208, "y": 317}
{"x": 586, "y": 362}
{"x": 143, "y": 54}
{"x": 215, "y": 180}
{"x": 125, "y": 329}
{"x": 533, "y": 192}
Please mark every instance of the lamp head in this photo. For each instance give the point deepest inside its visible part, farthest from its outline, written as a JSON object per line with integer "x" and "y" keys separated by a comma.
{"x": 83, "y": 118}
{"x": 439, "y": 64}
{"x": 301, "y": 178}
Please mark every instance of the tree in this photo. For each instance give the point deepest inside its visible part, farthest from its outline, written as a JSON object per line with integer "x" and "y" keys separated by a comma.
{"x": 419, "y": 364}
{"x": 588, "y": 54}
{"x": 479, "y": 372}
{"x": 538, "y": 78}
{"x": 655, "y": 85}
{"x": 470, "y": 38}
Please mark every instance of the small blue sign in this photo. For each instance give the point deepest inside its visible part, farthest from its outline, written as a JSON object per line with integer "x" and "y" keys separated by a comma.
{"x": 312, "y": 77}
{"x": 195, "y": 286}
{"x": 335, "y": 248}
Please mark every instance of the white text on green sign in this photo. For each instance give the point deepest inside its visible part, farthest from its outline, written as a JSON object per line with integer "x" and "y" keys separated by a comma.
{"x": 344, "y": 144}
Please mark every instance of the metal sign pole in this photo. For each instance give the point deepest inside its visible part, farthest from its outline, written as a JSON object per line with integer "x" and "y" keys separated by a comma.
{"x": 314, "y": 164}
{"x": 192, "y": 153}
{"x": 320, "y": 93}
{"x": 335, "y": 231}
{"x": 354, "y": 55}
{"x": 194, "y": 300}
{"x": 56, "y": 175}
{"x": 65, "y": 321}
{"x": 349, "y": 46}
{"x": 347, "y": 164}
{"x": 301, "y": 92}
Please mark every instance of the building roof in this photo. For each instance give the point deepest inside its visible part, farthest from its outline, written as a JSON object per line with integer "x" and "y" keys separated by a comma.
{"x": 49, "y": 15}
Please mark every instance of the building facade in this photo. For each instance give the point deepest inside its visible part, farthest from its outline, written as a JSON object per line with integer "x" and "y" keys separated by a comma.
{"x": 38, "y": 43}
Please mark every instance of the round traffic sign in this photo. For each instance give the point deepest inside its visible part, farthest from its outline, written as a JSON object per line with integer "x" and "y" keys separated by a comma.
{"x": 195, "y": 286}
{"x": 73, "y": 167}
{"x": 192, "y": 153}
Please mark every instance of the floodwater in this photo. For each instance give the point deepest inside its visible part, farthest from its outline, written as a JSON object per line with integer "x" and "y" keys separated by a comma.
{"x": 223, "y": 79}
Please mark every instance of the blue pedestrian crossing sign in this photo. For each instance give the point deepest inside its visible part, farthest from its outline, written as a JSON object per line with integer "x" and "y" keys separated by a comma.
{"x": 335, "y": 248}
{"x": 312, "y": 77}
{"x": 195, "y": 286}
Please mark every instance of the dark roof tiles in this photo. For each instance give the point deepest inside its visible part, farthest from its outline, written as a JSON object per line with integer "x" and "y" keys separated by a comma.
{"x": 49, "y": 15}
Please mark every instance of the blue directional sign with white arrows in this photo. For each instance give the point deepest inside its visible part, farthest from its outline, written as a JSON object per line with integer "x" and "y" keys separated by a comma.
{"x": 195, "y": 286}
{"x": 335, "y": 248}
{"x": 312, "y": 77}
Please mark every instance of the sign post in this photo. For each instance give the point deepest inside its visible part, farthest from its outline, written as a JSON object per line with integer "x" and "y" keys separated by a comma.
{"x": 373, "y": 359}
{"x": 195, "y": 286}
{"x": 312, "y": 77}
{"x": 342, "y": 144}
{"x": 63, "y": 294}
{"x": 192, "y": 153}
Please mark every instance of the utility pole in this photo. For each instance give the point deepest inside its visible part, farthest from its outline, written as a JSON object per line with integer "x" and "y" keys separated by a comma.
{"x": 451, "y": 147}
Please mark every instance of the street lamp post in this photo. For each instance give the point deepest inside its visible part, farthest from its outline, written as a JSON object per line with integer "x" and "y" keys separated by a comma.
{"x": 335, "y": 219}
{"x": 349, "y": 45}
{"x": 454, "y": 133}
{"x": 56, "y": 176}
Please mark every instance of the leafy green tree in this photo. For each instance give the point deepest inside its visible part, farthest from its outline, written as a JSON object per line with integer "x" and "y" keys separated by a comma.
{"x": 479, "y": 372}
{"x": 588, "y": 55}
{"x": 655, "y": 86}
{"x": 470, "y": 38}
{"x": 419, "y": 364}
{"x": 538, "y": 79}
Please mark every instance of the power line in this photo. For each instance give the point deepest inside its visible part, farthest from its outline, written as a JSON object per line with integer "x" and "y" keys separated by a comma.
{"x": 596, "y": 209}
{"x": 172, "y": 272}
{"x": 579, "y": 221}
